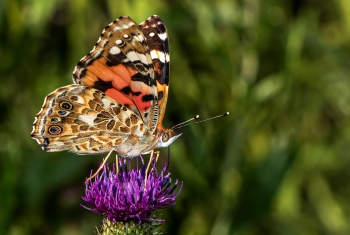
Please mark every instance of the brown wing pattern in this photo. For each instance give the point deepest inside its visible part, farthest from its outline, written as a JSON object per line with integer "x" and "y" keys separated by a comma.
{"x": 158, "y": 42}
{"x": 85, "y": 121}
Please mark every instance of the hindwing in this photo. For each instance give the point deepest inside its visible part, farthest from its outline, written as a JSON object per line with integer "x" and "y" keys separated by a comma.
{"x": 84, "y": 120}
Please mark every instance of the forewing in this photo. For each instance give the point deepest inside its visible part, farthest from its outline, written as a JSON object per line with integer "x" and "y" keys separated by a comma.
{"x": 158, "y": 42}
{"x": 121, "y": 66}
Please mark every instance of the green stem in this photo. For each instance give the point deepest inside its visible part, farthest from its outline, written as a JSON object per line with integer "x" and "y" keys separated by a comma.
{"x": 131, "y": 227}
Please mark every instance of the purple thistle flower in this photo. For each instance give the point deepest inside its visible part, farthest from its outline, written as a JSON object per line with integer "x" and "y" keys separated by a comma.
{"x": 124, "y": 196}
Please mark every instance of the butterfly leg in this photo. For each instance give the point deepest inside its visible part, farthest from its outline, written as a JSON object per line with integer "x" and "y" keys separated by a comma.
{"x": 148, "y": 165}
{"x": 142, "y": 162}
{"x": 156, "y": 159}
{"x": 150, "y": 162}
{"x": 101, "y": 166}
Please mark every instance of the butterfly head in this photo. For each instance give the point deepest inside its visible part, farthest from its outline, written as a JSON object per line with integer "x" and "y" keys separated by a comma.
{"x": 166, "y": 137}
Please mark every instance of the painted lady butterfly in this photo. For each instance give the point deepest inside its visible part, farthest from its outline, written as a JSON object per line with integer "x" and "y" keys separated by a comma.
{"x": 119, "y": 97}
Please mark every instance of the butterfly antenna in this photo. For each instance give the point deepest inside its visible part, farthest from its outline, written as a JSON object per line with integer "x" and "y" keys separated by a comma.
{"x": 183, "y": 123}
{"x": 197, "y": 116}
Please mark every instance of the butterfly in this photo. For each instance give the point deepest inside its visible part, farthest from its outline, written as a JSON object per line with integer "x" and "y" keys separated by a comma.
{"x": 118, "y": 98}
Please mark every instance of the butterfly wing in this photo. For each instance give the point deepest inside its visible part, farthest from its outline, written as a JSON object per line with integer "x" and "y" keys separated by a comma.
{"x": 158, "y": 42}
{"x": 85, "y": 120}
{"x": 121, "y": 66}
{"x": 119, "y": 97}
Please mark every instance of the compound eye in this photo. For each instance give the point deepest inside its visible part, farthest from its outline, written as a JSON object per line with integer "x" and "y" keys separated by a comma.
{"x": 66, "y": 105}
{"x": 165, "y": 137}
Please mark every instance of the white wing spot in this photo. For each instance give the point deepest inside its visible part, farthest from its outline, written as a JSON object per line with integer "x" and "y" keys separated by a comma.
{"x": 80, "y": 100}
{"x": 88, "y": 60}
{"x": 97, "y": 52}
{"x": 117, "y": 28}
{"x": 114, "y": 50}
{"x": 106, "y": 102}
{"x": 151, "y": 34}
{"x": 162, "y": 36}
{"x": 119, "y": 42}
{"x": 59, "y": 143}
{"x": 131, "y": 23}
{"x": 103, "y": 42}
{"x": 126, "y": 36}
{"x": 134, "y": 56}
{"x": 155, "y": 54}
{"x": 139, "y": 38}
{"x": 127, "y": 25}
{"x": 88, "y": 119}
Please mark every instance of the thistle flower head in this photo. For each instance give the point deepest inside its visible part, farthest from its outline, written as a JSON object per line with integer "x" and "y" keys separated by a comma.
{"x": 125, "y": 196}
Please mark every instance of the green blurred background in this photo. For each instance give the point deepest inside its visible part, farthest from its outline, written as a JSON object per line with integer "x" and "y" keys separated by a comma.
{"x": 279, "y": 164}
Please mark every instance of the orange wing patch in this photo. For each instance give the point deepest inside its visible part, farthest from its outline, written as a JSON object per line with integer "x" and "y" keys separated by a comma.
{"x": 120, "y": 65}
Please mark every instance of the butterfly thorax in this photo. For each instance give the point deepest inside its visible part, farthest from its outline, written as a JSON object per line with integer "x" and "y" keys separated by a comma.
{"x": 136, "y": 145}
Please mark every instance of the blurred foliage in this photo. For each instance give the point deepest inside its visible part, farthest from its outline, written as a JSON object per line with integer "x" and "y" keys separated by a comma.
{"x": 279, "y": 164}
